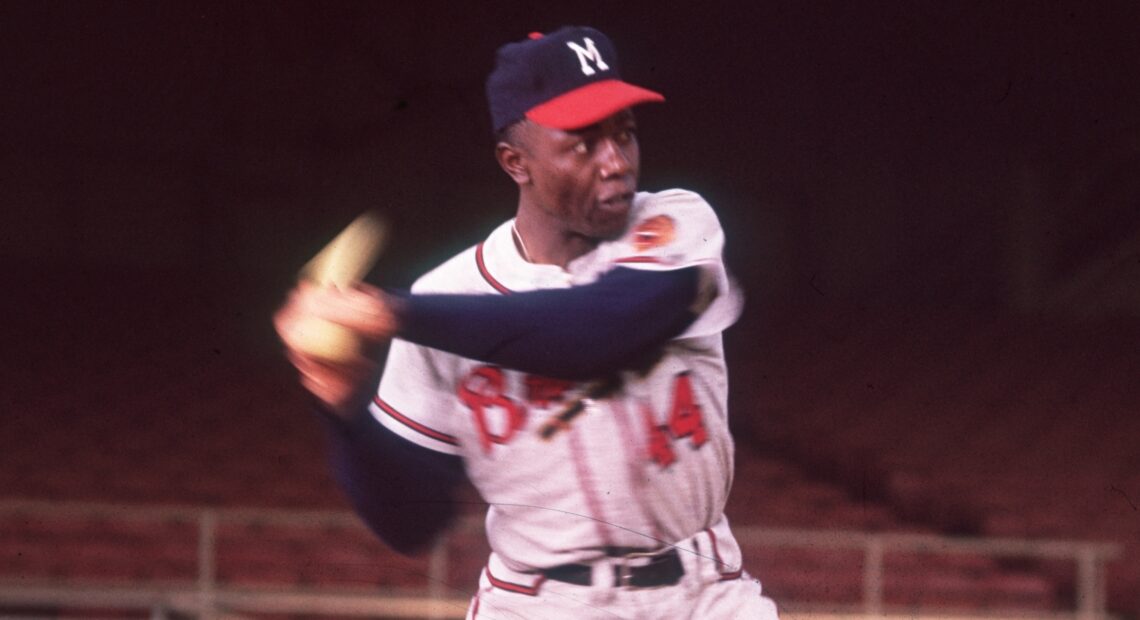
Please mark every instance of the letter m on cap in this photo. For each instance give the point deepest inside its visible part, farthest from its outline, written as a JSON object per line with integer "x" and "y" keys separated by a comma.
{"x": 586, "y": 55}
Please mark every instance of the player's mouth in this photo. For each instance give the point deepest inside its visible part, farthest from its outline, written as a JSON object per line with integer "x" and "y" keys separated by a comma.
{"x": 617, "y": 203}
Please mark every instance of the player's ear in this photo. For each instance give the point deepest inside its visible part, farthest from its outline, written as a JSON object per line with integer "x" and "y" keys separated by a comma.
{"x": 512, "y": 160}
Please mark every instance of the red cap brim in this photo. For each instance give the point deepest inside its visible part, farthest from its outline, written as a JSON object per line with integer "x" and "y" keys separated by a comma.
{"x": 589, "y": 104}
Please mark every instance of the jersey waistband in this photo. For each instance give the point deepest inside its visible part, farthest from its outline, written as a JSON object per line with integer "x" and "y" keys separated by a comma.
{"x": 713, "y": 547}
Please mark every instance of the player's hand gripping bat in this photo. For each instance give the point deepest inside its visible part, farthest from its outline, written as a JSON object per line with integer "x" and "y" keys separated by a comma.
{"x": 341, "y": 264}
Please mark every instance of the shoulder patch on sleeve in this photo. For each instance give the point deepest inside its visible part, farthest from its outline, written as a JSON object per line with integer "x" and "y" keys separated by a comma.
{"x": 655, "y": 232}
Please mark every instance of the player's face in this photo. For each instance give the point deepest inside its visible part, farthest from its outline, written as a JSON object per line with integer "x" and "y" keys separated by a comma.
{"x": 586, "y": 177}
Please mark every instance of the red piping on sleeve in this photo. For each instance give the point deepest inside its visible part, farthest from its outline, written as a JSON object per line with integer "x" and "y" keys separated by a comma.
{"x": 412, "y": 424}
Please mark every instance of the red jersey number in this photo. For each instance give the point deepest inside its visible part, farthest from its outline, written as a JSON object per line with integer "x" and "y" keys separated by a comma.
{"x": 483, "y": 392}
{"x": 660, "y": 445}
{"x": 685, "y": 419}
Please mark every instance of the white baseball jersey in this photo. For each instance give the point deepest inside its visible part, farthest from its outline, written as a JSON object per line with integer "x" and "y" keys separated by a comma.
{"x": 647, "y": 465}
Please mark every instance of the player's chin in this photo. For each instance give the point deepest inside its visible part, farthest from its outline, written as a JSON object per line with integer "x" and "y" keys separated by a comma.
{"x": 609, "y": 217}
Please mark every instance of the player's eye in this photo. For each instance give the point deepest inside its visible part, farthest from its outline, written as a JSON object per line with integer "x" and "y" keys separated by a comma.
{"x": 580, "y": 147}
{"x": 625, "y": 136}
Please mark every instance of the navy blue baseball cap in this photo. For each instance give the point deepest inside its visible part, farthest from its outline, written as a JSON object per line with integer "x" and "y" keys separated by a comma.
{"x": 566, "y": 79}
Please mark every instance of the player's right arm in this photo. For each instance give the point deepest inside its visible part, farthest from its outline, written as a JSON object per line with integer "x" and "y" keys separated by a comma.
{"x": 402, "y": 491}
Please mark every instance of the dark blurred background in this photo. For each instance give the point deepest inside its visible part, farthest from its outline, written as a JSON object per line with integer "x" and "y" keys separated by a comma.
{"x": 168, "y": 167}
{"x": 965, "y": 152}
{"x": 895, "y": 179}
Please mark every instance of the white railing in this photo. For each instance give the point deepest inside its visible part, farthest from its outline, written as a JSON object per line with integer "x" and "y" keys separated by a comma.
{"x": 207, "y": 598}
{"x": 1090, "y": 557}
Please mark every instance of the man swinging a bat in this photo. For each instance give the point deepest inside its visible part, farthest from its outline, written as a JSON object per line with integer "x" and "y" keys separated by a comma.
{"x": 569, "y": 365}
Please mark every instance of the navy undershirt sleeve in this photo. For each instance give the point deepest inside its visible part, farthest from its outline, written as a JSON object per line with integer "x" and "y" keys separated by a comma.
{"x": 403, "y": 492}
{"x": 576, "y": 333}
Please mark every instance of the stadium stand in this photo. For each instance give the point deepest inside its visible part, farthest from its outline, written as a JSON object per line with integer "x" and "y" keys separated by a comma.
{"x": 950, "y": 426}
{"x": 1001, "y": 426}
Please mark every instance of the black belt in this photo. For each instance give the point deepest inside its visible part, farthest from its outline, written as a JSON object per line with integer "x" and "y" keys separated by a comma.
{"x": 664, "y": 569}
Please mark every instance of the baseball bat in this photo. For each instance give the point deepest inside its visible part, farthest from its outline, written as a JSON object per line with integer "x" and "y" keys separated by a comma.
{"x": 342, "y": 264}
{"x": 560, "y": 422}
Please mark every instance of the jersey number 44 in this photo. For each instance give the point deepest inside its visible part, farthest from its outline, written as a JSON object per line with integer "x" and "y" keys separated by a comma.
{"x": 484, "y": 389}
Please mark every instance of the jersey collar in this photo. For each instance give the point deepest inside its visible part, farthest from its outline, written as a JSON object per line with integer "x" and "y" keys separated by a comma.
{"x": 504, "y": 269}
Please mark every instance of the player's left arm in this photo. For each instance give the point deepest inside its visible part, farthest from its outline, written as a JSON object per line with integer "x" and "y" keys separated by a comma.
{"x": 576, "y": 333}
{"x": 678, "y": 229}
{"x": 669, "y": 282}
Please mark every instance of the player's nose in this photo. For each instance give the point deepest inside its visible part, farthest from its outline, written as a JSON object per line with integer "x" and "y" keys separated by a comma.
{"x": 614, "y": 161}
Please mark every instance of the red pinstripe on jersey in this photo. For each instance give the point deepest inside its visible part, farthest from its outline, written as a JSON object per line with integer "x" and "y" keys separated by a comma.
{"x": 586, "y": 483}
{"x": 716, "y": 554}
{"x": 531, "y": 590}
{"x": 412, "y": 424}
{"x": 634, "y": 451}
{"x": 495, "y": 284}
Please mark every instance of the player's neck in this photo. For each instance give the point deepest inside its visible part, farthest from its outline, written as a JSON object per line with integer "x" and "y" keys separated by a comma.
{"x": 545, "y": 243}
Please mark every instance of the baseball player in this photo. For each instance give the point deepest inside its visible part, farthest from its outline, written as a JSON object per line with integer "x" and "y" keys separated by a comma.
{"x": 569, "y": 365}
